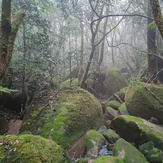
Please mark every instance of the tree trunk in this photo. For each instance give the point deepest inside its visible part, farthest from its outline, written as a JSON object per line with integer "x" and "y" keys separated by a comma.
{"x": 151, "y": 45}
{"x": 8, "y": 33}
{"x": 157, "y": 15}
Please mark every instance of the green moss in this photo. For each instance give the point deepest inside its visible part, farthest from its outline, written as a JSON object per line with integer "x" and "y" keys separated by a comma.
{"x": 123, "y": 109}
{"x": 145, "y": 100}
{"x": 114, "y": 104}
{"x": 111, "y": 136}
{"x": 83, "y": 160}
{"x": 152, "y": 153}
{"x": 137, "y": 130}
{"x": 29, "y": 148}
{"x": 66, "y": 83}
{"x": 114, "y": 81}
{"x": 127, "y": 152}
{"x": 70, "y": 116}
{"x": 107, "y": 159}
{"x": 94, "y": 138}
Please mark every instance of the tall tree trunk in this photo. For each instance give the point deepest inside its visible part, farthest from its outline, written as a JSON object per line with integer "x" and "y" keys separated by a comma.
{"x": 151, "y": 45}
{"x": 8, "y": 33}
{"x": 155, "y": 5}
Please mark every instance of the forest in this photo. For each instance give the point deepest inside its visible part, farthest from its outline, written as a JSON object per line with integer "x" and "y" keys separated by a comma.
{"x": 81, "y": 81}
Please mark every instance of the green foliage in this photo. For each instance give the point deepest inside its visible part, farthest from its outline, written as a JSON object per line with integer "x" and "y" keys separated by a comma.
{"x": 134, "y": 80}
{"x": 152, "y": 153}
{"x": 152, "y": 25}
{"x": 6, "y": 90}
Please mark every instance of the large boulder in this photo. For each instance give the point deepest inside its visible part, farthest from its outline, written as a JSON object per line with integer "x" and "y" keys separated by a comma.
{"x": 114, "y": 81}
{"x": 145, "y": 100}
{"x": 127, "y": 152}
{"x": 63, "y": 116}
{"x": 30, "y": 149}
{"x": 138, "y": 130}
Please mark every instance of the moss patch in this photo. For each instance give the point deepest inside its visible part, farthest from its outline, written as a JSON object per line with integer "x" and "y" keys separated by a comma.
{"x": 127, "y": 152}
{"x": 138, "y": 131}
{"x": 111, "y": 136}
{"x": 69, "y": 116}
{"x": 114, "y": 81}
{"x": 29, "y": 148}
{"x": 114, "y": 104}
{"x": 145, "y": 100}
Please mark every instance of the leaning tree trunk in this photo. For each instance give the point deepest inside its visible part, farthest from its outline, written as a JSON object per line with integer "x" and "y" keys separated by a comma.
{"x": 9, "y": 30}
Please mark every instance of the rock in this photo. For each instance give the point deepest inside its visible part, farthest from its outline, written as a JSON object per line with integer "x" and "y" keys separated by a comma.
{"x": 94, "y": 142}
{"x": 103, "y": 159}
{"x": 14, "y": 126}
{"x": 110, "y": 113}
{"x": 114, "y": 81}
{"x": 66, "y": 83}
{"x": 30, "y": 149}
{"x": 111, "y": 136}
{"x": 145, "y": 100}
{"x": 127, "y": 152}
{"x": 138, "y": 130}
{"x": 78, "y": 148}
{"x": 63, "y": 116}
{"x": 152, "y": 153}
{"x": 107, "y": 159}
{"x": 114, "y": 104}
{"x": 123, "y": 110}
{"x": 3, "y": 125}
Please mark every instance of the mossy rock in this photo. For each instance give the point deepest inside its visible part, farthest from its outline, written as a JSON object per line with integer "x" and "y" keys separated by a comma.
{"x": 94, "y": 142}
{"x": 67, "y": 116}
{"x": 66, "y": 83}
{"x": 152, "y": 153}
{"x": 103, "y": 159}
{"x": 107, "y": 159}
{"x": 138, "y": 130}
{"x": 114, "y": 81}
{"x": 114, "y": 104}
{"x": 30, "y": 149}
{"x": 127, "y": 152}
{"x": 145, "y": 100}
{"x": 122, "y": 109}
{"x": 111, "y": 136}
{"x": 110, "y": 113}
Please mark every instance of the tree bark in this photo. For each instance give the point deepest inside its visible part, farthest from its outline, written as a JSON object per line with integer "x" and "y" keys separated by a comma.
{"x": 8, "y": 33}
{"x": 151, "y": 45}
{"x": 155, "y": 5}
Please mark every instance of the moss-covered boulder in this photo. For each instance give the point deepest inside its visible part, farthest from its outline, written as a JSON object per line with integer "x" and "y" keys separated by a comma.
{"x": 94, "y": 142}
{"x": 69, "y": 83}
{"x": 114, "y": 104}
{"x": 63, "y": 116}
{"x": 152, "y": 153}
{"x": 114, "y": 81}
{"x": 127, "y": 152}
{"x": 110, "y": 113}
{"x": 111, "y": 136}
{"x": 122, "y": 109}
{"x": 145, "y": 100}
{"x": 138, "y": 130}
{"x": 30, "y": 149}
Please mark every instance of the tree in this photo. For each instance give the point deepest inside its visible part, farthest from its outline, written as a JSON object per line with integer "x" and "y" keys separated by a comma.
{"x": 155, "y": 5}
{"x": 9, "y": 31}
